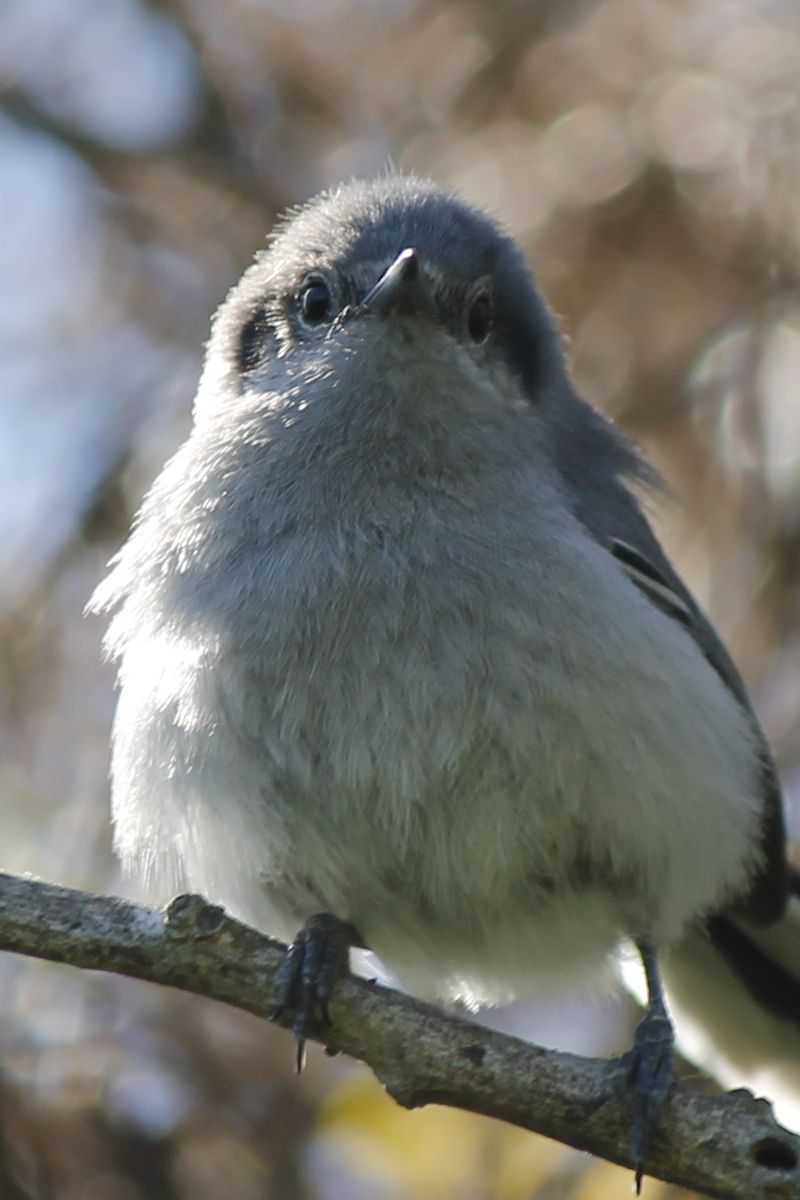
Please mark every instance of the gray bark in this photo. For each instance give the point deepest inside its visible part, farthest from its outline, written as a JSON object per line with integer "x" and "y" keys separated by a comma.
{"x": 727, "y": 1146}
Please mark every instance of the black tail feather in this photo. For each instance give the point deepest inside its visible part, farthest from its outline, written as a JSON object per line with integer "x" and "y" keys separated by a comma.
{"x": 770, "y": 984}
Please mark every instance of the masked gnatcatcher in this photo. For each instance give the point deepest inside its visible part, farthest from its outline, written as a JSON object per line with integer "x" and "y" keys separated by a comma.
{"x": 400, "y": 657}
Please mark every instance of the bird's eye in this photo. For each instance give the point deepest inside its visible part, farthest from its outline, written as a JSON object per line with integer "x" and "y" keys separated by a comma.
{"x": 479, "y": 318}
{"x": 314, "y": 300}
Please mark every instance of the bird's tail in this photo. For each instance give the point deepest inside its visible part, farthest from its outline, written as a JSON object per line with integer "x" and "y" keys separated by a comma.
{"x": 735, "y": 993}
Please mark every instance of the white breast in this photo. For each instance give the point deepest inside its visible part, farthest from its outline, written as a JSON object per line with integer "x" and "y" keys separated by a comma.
{"x": 458, "y": 725}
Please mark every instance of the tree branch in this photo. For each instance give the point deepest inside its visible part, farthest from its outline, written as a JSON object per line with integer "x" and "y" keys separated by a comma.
{"x": 725, "y": 1146}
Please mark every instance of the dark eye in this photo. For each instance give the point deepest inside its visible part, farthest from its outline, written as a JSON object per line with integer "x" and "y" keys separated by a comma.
{"x": 479, "y": 318}
{"x": 314, "y": 300}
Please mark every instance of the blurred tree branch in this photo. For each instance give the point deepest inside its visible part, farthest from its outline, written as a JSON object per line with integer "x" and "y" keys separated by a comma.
{"x": 213, "y": 145}
{"x": 721, "y": 1146}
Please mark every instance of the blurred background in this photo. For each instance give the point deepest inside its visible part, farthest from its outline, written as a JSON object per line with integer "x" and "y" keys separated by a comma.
{"x": 647, "y": 155}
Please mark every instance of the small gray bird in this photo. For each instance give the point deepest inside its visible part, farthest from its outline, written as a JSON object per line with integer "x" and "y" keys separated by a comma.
{"x": 400, "y": 658}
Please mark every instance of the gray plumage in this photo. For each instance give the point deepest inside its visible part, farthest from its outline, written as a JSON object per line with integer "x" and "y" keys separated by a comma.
{"x": 387, "y": 646}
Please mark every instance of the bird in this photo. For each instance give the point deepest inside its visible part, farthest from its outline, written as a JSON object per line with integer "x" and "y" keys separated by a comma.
{"x": 402, "y": 664}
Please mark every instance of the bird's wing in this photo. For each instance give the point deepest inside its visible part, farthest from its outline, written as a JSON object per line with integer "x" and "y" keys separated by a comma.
{"x": 607, "y": 507}
{"x": 766, "y": 900}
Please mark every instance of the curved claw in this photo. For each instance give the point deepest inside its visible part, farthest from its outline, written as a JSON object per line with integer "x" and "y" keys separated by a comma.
{"x": 317, "y": 957}
{"x": 649, "y": 1064}
{"x": 649, "y": 1075}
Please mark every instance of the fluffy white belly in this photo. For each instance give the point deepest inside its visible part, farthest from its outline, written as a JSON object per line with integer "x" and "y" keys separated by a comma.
{"x": 477, "y": 741}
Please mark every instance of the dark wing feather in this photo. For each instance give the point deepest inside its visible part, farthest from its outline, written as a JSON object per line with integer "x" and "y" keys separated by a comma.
{"x": 650, "y": 581}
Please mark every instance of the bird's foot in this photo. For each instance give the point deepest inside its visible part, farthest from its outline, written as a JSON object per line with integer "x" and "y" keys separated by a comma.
{"x": 648, "y": 1073}
{"x": 317, "y": 957}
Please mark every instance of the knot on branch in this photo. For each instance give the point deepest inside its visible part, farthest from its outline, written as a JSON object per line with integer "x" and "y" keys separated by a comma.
{"x": 193, "y": 916}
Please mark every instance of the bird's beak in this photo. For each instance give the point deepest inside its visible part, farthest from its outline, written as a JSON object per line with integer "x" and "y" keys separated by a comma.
{"x": 403, "y": 287}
